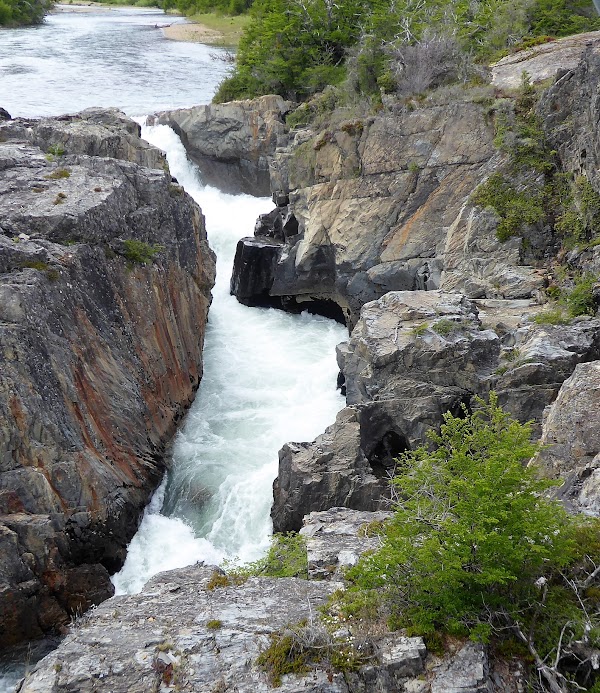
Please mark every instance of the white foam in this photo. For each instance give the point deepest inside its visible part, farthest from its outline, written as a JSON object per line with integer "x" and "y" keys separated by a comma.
{"x": 269, "y": 378}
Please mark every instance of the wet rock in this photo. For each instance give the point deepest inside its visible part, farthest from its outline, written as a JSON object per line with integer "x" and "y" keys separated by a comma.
{"x": 255, "y": 260}
{"x": 4, "y": 114}
{"x": 101, "y": 348}
{"x": 232, "y": 142}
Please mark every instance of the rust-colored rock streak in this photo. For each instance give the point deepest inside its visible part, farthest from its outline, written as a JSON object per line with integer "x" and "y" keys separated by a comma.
{"x": 100, "y": 356}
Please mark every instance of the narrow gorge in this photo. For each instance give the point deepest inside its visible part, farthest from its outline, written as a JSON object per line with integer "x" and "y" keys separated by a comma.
{"x": 393, "y": 225}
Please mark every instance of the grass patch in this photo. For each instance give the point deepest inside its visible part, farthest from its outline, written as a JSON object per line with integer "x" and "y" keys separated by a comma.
{"x": 58, "y": 174}
{"x": 214, "y": 624}
{"x": 554, "y": 316}
{"x": 297, "y": 648}
{"x": 445, "y": 327}
{"x": 419, "y": 330}
{"x": 140, "y": 253}
{"x": 286, "y": 558}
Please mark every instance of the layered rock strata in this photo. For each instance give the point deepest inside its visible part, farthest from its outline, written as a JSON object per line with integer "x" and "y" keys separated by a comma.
{"x": 105, "y": 278}
{"x": 382, "y": 204}
{"x": 413, "y": 356}
{"x": 232, "y": 142}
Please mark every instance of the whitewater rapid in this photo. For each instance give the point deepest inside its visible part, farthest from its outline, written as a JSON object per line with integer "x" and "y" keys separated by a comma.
{"x": 269, "y": 377}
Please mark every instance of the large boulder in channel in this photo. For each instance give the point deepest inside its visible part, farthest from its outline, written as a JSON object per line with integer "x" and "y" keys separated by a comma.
{"x": 412, "y": 357}
{"x": 105, "y": 278}
{"x": 232, "y": 142}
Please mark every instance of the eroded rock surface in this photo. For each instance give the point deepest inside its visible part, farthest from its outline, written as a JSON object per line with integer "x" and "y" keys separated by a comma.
{"x": 336, "y": 538}
{"x": 179, "y": 634}
{"x": 232, "y": 142}
{"x": 413, "y": 356}
{"x": 101, "y": 352}
{"x": 571, "y": 439}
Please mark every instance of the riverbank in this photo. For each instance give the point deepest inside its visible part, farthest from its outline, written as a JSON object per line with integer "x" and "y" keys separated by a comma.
{"x": 209, "y": 28}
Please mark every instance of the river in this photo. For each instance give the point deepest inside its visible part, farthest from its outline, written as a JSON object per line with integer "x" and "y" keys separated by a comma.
{"x": 269, "y": 376}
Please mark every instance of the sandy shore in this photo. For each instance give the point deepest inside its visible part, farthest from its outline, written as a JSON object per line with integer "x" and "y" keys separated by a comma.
{"x": 179, "y": 30}
{"x": 188, "y": 31}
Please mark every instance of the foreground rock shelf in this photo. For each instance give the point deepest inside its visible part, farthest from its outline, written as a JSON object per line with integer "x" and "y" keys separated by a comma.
{"x": 105, "y": 278}
{"x": 187, "y": 631}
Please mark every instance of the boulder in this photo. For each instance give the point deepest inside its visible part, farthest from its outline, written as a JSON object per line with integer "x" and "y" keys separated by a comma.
{"x": 232, "y": 142}
{"x": 466, "y": 671}
{"x": 412, "y": 357}
{"x": 336, "y": 538}
{"x": 571, "y": 439}
{"x": 105, "y": 278}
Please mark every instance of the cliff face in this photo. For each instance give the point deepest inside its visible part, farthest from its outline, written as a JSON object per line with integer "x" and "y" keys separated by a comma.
{"x": 101, "y": 349}
{"x": 233, "y": 142}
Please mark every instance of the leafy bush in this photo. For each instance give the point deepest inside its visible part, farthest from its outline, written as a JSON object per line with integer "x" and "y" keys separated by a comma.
{"x": 286, "y": 558}
{"x": 580, "y": 301}
{"x": 17, "y": 12}
{"x": 476, "y": 548}
{"x": 293, "y": 48}
{"x": 140, "y": 253}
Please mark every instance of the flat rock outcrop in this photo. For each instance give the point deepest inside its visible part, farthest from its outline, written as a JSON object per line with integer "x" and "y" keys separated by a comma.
{"x": 413, "y": 356}
{"x": 184, "y": 632}
{"x": 105, "y": 278}
{"x": 232, "y": 142}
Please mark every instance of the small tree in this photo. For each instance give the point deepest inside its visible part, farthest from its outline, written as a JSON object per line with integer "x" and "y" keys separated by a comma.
{"x": 476, "y": 548}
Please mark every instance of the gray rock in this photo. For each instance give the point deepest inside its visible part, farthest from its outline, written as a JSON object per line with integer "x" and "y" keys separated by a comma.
{"x": 336, "y": 538}
{"x": 465, "y": 672}
{"x": 571, "y": 439}
{"x": 233, "y": 142}
{"x": 412, "y": 357}
{"x": 101, "y": 354}
{"x": 544, "y": 61}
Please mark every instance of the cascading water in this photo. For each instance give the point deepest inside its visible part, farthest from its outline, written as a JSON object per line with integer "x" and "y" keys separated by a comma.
{"x": 269, "y": 377}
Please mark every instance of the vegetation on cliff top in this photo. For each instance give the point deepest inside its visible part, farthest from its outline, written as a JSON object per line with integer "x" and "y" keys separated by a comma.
{"x": 295, "y": 48}
{"x": 21, "y": 12}
{"x": 477, "y": 548}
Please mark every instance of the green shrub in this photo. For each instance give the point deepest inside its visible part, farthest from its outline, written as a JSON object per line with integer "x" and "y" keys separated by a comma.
{"x": 580, "y": 300}
{"x": 140, "y": 253}
{"x": 445, "y": 327}
{"x": 476, "y": 548}
{"x": 214, "y": 624}
{"x": 554, "y": 316}
{"x": 286, "y": 558}
{"x": 516, "y": 208}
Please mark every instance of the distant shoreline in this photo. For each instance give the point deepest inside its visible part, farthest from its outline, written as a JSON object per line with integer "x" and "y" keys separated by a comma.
{"x": 179, "y": 30}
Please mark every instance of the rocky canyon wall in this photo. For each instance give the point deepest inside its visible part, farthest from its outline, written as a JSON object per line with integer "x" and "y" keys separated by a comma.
{"x": 105, "y": 278}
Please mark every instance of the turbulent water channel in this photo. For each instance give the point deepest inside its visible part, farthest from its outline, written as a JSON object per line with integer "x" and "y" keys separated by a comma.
{"x": 269, "y": 377}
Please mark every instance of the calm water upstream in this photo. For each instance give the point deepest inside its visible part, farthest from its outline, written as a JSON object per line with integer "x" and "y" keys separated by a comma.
{"x": 269, "y": 377}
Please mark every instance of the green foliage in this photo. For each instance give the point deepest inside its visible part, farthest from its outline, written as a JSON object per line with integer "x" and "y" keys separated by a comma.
{"x": 445, "y": 327}
{"x": 295, "y": 48}
{"x": 579, "y": 222}
{"x": 298, "y": 647}
{"x": 56, "y": 150}
{"x": 21, "y": 12}
{"x": 515, "y": 207}
{"x": 214, "y": 624}
{"x": 218, "y": 579}
{"x": 140, "y": 253}
{"x": 476, "y": 548}
{"x": 419, "y": 330}
{"x": 58, "y": 174}
{"x": 286, "y": 558}
{"x": 580, "y": 300}
{"x": 554, "y": 316}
